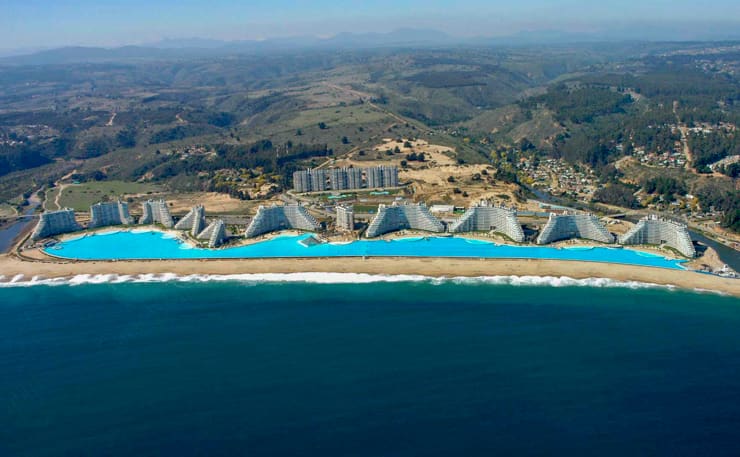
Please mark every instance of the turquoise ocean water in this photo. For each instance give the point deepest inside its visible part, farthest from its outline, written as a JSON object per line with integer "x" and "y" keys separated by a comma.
{"x": 367, "y": 369}
{"x": 148, "y": 244}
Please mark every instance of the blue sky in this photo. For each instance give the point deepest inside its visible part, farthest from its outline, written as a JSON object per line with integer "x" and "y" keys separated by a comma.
{"x": 46, "y": 23}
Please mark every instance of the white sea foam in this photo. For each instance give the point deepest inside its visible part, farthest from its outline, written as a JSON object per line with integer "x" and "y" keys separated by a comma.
{"x": 331, "y": 278}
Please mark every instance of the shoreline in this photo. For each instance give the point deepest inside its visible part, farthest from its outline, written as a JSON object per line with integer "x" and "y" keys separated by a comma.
{"x": 432, "y": 267}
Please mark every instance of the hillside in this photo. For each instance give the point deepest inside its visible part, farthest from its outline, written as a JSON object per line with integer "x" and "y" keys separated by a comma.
{"x": 558, "y": 119}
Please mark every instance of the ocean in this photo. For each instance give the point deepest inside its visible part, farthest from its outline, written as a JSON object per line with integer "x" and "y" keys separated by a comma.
{"x": 367, "y": 366}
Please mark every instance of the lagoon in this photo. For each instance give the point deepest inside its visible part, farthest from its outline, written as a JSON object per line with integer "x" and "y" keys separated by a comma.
{"x": 155, "y": 245}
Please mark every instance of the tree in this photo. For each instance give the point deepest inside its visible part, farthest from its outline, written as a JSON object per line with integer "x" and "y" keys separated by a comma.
{"x": 525, "y": 145}
{"x": 126, "y": 138}
{"x": 94, "y": 148}
{"x": 298, "y": 132}
{"x": 732, "y": 170}
{"x": 616, "y": 194}
{"x": 221, "y": 119}
{"x": 731, "y": 220}
{"x": 322, "y": 125}
{"x": 345, "y": 140}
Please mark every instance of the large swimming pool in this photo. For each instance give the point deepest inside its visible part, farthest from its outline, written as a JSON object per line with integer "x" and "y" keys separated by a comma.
{"x": 152, "y": 244}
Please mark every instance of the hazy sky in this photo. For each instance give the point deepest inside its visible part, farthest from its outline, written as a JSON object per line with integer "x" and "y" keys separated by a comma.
{"x": 43, "y": 23}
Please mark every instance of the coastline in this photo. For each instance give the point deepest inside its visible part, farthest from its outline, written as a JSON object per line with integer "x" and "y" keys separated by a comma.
{"x": 11, "y": 266}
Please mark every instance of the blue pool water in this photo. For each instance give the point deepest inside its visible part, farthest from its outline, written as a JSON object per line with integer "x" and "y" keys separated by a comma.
{"x": 146, "y": 244}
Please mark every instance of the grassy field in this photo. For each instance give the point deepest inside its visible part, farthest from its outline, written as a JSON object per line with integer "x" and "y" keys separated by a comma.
{"x": 6, "y": 210}
{"x": 337, "y": 115}
{"x": 366, "y": 208}
{"x": 81, "y": 196}
{"x": 50, "y": 200}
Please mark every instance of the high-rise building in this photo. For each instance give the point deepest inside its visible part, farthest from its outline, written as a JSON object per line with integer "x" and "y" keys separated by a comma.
{"x": 194, "y": 221}
{"x": 382, "y": 177}
{"x": 315, "y": 180}
{"x": 302, "y": 181}
{"x": 485, "y": 217}
{"x": 275, "y": 218}
{"x": 373, "y": 178}
{"x": 654, "y": 230}
{"x": 338, "y": 179}
{"x": 109, "y": 213}
{"x": 55, "y": 223}
{"x": 345, "y": 218}
{"x": 399, "y": 217}
{"x": 354, "y": 177}
{"x": 567, "y": 226}
{"x": 390, "y": 176}
{"x": 156, "y": 212}
{"x": 215, "y": 233}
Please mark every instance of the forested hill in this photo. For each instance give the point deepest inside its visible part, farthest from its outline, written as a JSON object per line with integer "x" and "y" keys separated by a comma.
{"x": 626, "y": 112}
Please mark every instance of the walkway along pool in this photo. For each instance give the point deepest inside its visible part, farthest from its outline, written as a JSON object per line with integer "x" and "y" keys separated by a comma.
{"x": 153, "y": 245}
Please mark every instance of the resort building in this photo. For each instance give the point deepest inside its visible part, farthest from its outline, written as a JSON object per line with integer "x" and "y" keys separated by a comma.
{"x": 275, "y": 218}
{"x": 485, "y": 217}
{"x": 399, "y": 217}
{"x": 567, "y": 226}
{"x": 156, "y": 212}
{"x": 194, "y": 221}
{"x": 215, "y": 233}
{"x": 54, "y": 223}
{"x": 354, "y": 177}
{"x": 381, "y": 177}
{"x": 338, "y": 179}
{"x": 302, "y": 181}
{"x": 312, "y": 180}
{"x": 319, "y": 180}
{"x": 345, "y": 218}
{"x": 109, "y": 213}
{"x": 654, "y": 230}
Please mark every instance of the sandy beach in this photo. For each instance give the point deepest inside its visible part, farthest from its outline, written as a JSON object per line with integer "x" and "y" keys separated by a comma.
{"x": 11, "y": 266}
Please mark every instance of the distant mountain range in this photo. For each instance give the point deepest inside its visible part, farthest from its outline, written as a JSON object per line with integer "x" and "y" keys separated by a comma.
{"x": 201, "y": 47}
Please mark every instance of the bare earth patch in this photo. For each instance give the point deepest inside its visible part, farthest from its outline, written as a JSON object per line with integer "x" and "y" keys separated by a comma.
{"x": 214, "y": 203}
{"x": 430, "y": 180}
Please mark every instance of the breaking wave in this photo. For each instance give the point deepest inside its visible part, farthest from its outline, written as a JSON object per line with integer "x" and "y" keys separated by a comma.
{"x": 329, "y": 278}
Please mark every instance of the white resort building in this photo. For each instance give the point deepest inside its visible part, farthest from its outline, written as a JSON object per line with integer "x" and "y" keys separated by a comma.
{"x": 215, "y": 233}
{"x": 345, "y": 218}
{"x": 194, "y": 221}
{"x": 485, "y": 217}
{"x": 655, "y": 230}
{"x": 382, "y": 177}
{"x": 347, "y": 178}
{"x": 156, "y": 211}
{"x": 55, "y": 223}
{"x": 109, "y": 213}
{"x": 567, "y": 226}
{"x": 275, "y": 218}
{"x": 399, "y": 217}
